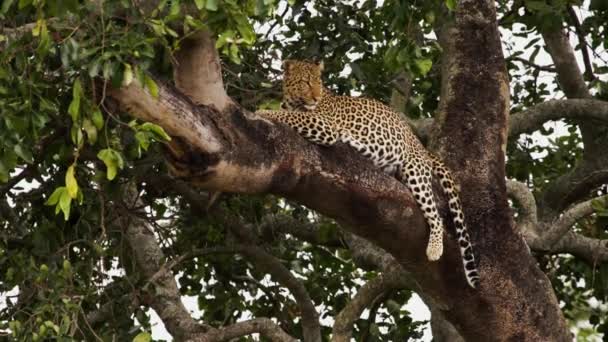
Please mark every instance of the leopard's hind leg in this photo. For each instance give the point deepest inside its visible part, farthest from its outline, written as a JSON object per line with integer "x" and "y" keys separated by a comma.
{"x": 417, "y": 176}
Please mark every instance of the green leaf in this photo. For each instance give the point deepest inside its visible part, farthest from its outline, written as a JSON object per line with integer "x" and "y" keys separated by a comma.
{"x": 70, "y": 182}
{"x": 143, "y": 337}
{"x": 450, "y": 4}
{"x": 24, "y": 153}
{"x": 24, "y": 3}
{"x": 113, "y": 161}
{"x": 91, "y": 130}
{"x": 200, "y": 4}
{"x": 74, "y": 108}
{"x": 97, "y": 119}
{"x": 6, "y": 5}
{"x": 55, "y": 196}
{"x": 127, "y": 76}
{"x": 142, "y": 140}
{"x": 211, "y": 5}
{"x": 158, "y": 132}
{"x": 64, "y": 203}
{"x": 151, "y": 85}
{"x": 40, "y": 23}
{"x": 424, "y": 65}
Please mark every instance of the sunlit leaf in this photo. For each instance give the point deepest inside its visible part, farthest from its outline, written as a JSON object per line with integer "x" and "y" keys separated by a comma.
{"x": 70, "y": 182}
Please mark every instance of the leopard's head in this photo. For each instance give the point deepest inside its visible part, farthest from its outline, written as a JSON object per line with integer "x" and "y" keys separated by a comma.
{"x": 302, "y": 84}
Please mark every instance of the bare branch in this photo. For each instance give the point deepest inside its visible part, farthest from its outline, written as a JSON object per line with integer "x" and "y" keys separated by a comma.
{"x": 568, "y": 219}
{"x": 166, "y": 299}
{"x": 568, "y": 73}
{"x": 268, "y": 263}
{"x": 263, "y": 326}
{"x": 265, "y": 262}
{"x": 586, "y": 248}
{"x": 443, "y": 330}
{"x": 533, "y": 118}
{"x": 367, "y": 294}
{"x": 529, "y": 63}
{"x": 580, "y": 33}
{"x": 573, "y": 186}
{"x": 18, "y": 32}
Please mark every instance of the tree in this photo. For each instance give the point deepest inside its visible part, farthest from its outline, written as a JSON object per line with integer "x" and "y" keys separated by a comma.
{"x": 304, "y": 238}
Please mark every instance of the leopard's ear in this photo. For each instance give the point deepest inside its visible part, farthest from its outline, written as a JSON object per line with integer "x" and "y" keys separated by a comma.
{"x": 287, "y": 65}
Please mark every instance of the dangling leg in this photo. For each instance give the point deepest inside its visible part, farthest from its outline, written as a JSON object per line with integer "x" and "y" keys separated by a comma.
{"x": 417, "y": 177}
{"x": 464, "y": 242}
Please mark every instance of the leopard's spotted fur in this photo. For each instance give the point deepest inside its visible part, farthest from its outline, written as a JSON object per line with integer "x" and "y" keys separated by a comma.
{"x": 379, "y": 134}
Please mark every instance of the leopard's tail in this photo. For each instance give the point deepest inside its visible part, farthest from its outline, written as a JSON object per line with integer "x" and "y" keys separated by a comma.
{"x": 464, "y": 242}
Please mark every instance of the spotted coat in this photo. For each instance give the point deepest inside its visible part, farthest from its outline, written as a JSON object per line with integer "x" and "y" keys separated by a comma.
{"x": 378, "y": 133}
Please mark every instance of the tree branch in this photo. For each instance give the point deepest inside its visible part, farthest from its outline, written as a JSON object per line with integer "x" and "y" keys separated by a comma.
{"x": 268, "y": 263}
{"x": 166, "y": 299}
{"x": 522, "y": 194}
{"x": 263, "y": 326}
{"x": 529, "y": 63}
{"x": 573, "y": 186}
{"x": 568, "y": 219}
{"x": 343, "y": 326}
{"x": 534, "y": 117}
{"x": 580, "y": 33}
{"x": 592, "y": 250}
{"x": 197, "y": 71}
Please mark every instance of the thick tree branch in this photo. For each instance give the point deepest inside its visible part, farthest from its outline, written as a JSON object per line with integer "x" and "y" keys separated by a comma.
{"x": 568, "y": 73}
{"x": 533, "y": 118}
{"x": 565, "y": 222}
{"x": 573, "y": 186}
{"x": 197, "y": 71}
{"x": 586, "y": 248}
{"x": 522, "y": 194}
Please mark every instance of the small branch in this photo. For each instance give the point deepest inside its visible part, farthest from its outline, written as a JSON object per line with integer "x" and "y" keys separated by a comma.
{"x": 17, "y": 32}
{"x": 270, "y": 264}
{"x": 534, "y": 117}
{"x": 263, "y": 326}
{"x": 568, "y": 219}
{"x": 166, "y": 299}
{"x": 343, "y": 326}
{"x": 531, "y": 64}
{"x": 580, "y": 33}
{"x": 572, "y": 187}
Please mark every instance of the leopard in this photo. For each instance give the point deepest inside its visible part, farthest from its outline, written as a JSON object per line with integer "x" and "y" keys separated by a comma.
{"x": 381, "y": 135}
